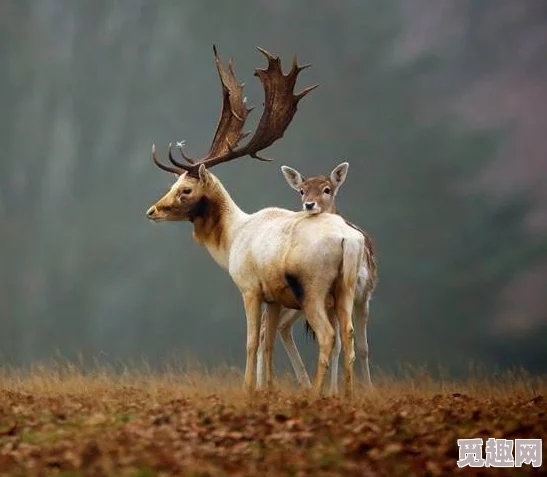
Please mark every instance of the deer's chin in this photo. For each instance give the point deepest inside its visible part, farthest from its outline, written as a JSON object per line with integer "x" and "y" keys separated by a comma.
{"x": 313, "y": 211}
{"x": 157, "y": 219}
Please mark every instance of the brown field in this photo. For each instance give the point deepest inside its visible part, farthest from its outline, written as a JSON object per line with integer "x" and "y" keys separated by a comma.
{"x": 63, "y": 421}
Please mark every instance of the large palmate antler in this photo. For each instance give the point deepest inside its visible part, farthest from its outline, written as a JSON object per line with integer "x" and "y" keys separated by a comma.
{"x": 280, "y": 104}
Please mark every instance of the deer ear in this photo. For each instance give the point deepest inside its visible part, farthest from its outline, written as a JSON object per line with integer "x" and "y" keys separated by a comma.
{"x": 203, "y": 174}
{"x": 293, "y": 177}
{"x": 338, "y": 175}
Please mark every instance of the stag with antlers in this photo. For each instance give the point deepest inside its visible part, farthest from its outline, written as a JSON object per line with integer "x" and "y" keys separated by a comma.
{"x": 275, "y": 256}
{"x": 318, "y": 195}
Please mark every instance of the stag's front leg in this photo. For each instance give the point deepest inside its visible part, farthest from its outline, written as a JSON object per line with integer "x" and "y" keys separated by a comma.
{"x": 260, "y": 367}
{"x": 271, "y": 323}
{"x": 252, "y": 303}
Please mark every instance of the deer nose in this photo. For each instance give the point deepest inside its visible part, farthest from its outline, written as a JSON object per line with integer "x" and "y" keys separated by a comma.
{"x": 309, "y": 205}
{"x": 150, "y": 212}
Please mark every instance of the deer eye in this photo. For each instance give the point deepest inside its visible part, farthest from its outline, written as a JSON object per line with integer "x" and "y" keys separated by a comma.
{"x": 326, "y": 190}
{"x": 301, "y": 191}
{"x": 186, "y": 191}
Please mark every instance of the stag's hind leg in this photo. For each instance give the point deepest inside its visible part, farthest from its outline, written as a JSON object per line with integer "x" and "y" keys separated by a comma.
{"x": 316, "y": 314}
{"x": 361, "y": 339}
{"x": 344, "y": 309}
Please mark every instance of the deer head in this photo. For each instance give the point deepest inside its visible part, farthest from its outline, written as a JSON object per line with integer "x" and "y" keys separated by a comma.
{"x": 319, "y": 192}
{"x": 191, "y": 194}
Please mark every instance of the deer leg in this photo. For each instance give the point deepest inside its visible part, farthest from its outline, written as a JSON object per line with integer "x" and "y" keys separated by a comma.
{"x": 335, "y": 356}
{"x": 286, "y": 322}
{"x": 252, "y": 304}
{"x": 260, "y": 364}
{"x": 361, "y": 340}
{"x": 344, "y": 309}
{"x": 317, "y": 317}
{"x": 271, "y": 323}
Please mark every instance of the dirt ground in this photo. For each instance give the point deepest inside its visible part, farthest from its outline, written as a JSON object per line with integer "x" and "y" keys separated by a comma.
{"x": 67, "y": 422}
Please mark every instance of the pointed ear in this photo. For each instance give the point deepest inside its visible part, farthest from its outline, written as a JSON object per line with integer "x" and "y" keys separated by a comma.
{"x": 203, "y": 174}
{"x": 293, "y": 177}
{"x": 338, "y": 175}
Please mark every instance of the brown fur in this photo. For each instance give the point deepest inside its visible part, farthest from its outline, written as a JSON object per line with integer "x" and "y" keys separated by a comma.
{"x": 314, "y": 187}
{"x": 208, "y": 221}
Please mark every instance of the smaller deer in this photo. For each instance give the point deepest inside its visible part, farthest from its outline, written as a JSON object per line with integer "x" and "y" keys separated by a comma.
{"x": 318, "y": 195}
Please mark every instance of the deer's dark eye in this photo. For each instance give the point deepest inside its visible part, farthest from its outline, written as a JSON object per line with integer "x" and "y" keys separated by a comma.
{"x": 301, "y": 191}
{"x": 326, "y": 190}
{"x": 186, "y": 191}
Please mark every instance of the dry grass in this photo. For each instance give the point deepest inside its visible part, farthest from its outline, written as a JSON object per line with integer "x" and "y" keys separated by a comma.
{"x": 60, "y": 419}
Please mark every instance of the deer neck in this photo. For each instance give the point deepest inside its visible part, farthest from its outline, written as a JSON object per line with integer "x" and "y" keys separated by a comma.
{"x": 216, "y": 218}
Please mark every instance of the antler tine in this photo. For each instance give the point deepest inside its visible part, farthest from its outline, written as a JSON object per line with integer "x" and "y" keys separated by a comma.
{"x": 296, "y": 67}
{"x": 180, "y": 144}
{"x": 174, "y": 161}
{"x": 260, "y": 158}
{"x": 185, "y": 157}
{"x": 267, "y": 54}
{"x": 175, "y": 170}
{"x": 305, "y": 91}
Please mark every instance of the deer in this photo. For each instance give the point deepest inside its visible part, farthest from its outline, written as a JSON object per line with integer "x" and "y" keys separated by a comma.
{"x": 318, "y": 195}
{"x": 276, "y": 257}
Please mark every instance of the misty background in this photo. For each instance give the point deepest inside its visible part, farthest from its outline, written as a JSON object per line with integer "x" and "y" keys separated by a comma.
{"x": 439, "y": 107}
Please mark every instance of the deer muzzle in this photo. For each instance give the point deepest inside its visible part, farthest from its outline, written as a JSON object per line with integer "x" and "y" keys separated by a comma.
{"x": 152, "y": 213}
{"x": 311, "y": 207}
